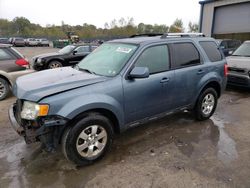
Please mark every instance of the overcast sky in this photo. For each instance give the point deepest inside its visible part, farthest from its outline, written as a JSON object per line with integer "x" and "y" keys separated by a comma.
{"x": 97, "y": 12}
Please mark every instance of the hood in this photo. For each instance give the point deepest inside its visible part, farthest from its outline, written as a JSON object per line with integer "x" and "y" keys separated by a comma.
{"x": 47, "y": 55}
{"x": 238, "y": 62}
{"x": 38, "y": 85}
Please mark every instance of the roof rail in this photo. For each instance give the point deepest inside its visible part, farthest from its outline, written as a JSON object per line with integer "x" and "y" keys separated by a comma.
{"x": 146, "y": 35}
{"x": 165, "y": 35}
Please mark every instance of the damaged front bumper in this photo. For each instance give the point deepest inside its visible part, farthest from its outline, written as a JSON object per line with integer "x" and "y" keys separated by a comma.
{"x": 47, "y": 130}
{"x": 15, "y": 125}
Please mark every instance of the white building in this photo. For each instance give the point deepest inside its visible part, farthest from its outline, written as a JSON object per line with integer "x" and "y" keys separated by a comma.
{"x": 225, "y": 18}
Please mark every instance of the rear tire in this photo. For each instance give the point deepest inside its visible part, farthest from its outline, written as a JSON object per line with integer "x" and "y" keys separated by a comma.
{"x": 206, "y": 104}
{"x": 88, "y": 139}
{"x": 4, "y": 89}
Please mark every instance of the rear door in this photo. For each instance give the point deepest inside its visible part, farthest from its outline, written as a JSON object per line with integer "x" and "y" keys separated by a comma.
{"x": 189, "y": 69}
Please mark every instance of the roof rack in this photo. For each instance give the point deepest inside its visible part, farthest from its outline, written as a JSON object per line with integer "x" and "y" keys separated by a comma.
{"x": 146, "y": 35}
{"x": 165, "y": 35}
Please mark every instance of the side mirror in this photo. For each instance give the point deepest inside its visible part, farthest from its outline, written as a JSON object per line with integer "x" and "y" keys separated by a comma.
{"x": 74, "y": 52}
{"x": 139, "y": 72}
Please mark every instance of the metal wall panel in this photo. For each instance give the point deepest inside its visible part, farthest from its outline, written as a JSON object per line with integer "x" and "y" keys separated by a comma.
{"x": 232, "y": 19}
{"x": 207, "y": 14}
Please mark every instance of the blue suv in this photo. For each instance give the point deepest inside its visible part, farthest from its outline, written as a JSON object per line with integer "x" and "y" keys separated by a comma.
{"x": 122, "y": 84}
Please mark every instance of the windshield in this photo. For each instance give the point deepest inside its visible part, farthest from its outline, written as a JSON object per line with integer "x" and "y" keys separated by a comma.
{"x": 66, "y": 49}
{"x": 243, "y": 50}
{"x": 108, "y": 59}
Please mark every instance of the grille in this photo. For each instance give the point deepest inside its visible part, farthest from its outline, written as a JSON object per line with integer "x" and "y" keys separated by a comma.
{"x": 239, "y": 70}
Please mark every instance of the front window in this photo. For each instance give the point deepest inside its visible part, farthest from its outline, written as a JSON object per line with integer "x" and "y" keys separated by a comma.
{"x": 155, "y": 58}
{"x": 243, "y": 50}
{"x": 108, "y": 59}
{"x": 66, "y": 49}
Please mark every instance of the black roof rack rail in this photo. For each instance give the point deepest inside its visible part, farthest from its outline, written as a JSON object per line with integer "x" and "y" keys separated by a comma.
{"x": 146, "y": 35}
{"x": 165, "y": 35}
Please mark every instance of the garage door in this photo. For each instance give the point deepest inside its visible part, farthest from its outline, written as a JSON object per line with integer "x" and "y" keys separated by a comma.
{"x": 232, "y": 19}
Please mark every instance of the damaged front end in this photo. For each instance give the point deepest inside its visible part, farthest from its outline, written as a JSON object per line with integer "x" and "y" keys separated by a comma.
{"x": 45, "y": 129}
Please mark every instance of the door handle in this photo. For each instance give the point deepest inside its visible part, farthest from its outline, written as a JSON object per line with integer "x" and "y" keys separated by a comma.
{"x": 200, "y": 71}
{"x": 163, "y": 80}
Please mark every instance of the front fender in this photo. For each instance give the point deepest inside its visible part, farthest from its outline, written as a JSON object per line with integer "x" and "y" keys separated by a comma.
{"x": 91, "y": 102}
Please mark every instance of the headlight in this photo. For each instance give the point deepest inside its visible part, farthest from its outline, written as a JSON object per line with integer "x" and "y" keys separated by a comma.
{"x": 39, "y": 60}
{"x": 32, "y": 110}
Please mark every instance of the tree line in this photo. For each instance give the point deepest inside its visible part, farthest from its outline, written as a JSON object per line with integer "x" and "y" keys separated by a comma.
{"x": 21, "y": 26}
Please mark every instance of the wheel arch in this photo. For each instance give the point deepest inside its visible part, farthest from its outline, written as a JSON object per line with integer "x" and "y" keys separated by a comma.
{"x": 212, "y": 84}
{"x": 54, "y": 59}
{"x": 105, "y": 112}
{"x": 6, "y": 78}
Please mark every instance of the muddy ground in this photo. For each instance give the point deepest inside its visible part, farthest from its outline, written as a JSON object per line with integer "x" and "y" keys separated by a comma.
{"x": 176, "y": 151}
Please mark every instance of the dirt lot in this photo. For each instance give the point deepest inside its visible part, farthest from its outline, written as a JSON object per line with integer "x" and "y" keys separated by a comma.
{"x": 173, "y": 152}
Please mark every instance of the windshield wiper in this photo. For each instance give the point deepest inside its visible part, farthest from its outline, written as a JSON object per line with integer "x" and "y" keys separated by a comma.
{"x": 242, "y": 55}
{"x": 86, "y": 70}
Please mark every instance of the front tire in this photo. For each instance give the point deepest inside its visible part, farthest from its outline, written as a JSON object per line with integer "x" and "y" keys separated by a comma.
{"x": 88, "y": 140}
{"x": 54, "y": 64}
{"x": 4, "y": 89}
{"x": 206, "y": 104}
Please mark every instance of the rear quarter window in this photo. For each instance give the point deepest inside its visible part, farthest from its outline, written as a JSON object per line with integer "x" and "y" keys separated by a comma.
{"x": 212, "y": 50}
{"x": 4, "y": 55}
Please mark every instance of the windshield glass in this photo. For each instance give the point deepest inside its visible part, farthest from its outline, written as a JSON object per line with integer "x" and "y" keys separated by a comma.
{"x": 243, "y": 50}
{"x": 66, "y": 49}
{"x": 108, "y": 59}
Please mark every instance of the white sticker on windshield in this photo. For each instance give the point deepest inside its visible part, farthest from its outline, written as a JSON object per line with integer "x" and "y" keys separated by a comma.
{"x": 124, "y": 50}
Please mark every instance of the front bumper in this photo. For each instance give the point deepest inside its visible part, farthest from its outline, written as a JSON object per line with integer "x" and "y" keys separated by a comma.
{"x": 47, "y": 130}
{"x": 15, "y": 125}
{"x": 238, "y": 80}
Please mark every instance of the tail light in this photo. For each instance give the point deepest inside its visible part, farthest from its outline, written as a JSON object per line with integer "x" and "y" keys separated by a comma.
{"x": 225, "y": 70}
{"x": 22, "y": 62}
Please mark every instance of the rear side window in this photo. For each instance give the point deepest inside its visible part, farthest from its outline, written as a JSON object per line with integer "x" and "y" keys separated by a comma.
{"x": 155, "y": 58}
{"x": 185, "y": 54}
{"x": 4, "y": 55}
{"x": 212, "y": 50}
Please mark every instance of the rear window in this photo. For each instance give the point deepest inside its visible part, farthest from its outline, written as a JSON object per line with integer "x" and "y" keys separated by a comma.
{"x": 212, "y": 50}
{"x": 17, "y": 52}
{"x": 233, "y": 44}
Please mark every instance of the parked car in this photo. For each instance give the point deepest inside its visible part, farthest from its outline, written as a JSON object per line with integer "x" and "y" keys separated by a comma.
{"x": 228, "y": 45}
{"x": 68, "y": 56}
{"x": 12, "y": 65}
{"x": 122, "y": 84}
{"x": 4, "y": 41}
{"x": 239, "y": 66}
{"x": 31, "y": 42}
{"x": 43, "y": 42}
{"x": 18, "y": 41}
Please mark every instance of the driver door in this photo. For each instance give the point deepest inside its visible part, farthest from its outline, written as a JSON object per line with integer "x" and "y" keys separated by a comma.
{"x": 147, "y": 97}
{"x": 78, "y": 54}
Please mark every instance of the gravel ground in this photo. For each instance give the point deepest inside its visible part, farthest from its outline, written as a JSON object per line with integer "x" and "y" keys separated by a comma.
{"x": 176, "y": 151}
